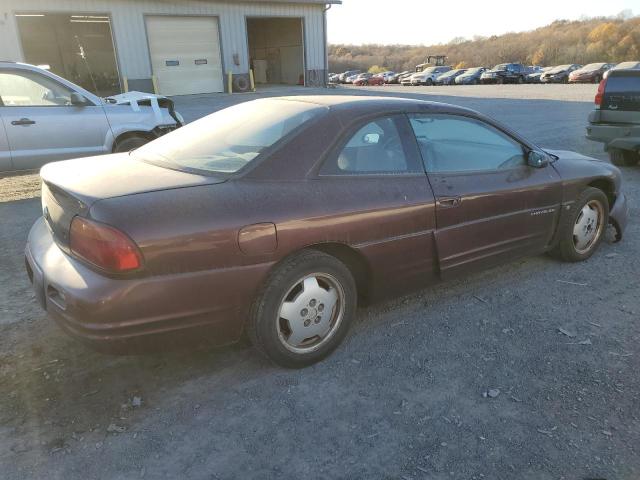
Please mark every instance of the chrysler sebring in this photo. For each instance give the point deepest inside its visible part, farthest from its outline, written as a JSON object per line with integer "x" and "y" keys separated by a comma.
{"x": 277, "y": 217}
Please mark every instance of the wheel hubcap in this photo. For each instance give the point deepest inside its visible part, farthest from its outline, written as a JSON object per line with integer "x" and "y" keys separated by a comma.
{"x": 588, "y": 226}
{"x": 310, "y": 313}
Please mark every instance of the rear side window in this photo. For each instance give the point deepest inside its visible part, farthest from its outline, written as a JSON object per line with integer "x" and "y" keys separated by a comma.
{"x": 375, "y": 148}
{"x": 452, "y": 143}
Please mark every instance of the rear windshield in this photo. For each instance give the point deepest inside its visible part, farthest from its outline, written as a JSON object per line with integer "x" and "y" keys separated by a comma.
{"x": 229, "y": 139}
{"x": 623, "y": 84}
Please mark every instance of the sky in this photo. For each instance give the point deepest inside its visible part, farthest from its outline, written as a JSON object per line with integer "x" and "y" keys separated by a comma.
{"x": 425, "y": 22}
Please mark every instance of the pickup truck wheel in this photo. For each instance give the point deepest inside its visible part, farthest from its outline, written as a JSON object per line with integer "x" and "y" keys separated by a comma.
{"x": 623, "y": 158}
{"x": 582, "y": 228}
{"x": 520, "y": 80}
{"x": 129, "y": 143}
{"x": 304, "y": 310}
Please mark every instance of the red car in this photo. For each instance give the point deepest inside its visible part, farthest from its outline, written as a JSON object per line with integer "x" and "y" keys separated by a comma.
{"x": 369, "y": 81}
{"x": 278, "y": 216}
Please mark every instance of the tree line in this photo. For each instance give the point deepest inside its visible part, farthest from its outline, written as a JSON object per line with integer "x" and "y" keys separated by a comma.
{"x": 563, "y": 41}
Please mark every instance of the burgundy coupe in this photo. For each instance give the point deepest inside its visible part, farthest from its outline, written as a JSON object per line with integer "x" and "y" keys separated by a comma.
{"x": 276, "y": 217}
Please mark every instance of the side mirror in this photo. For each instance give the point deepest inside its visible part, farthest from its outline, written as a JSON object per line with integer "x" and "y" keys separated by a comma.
{"x": 537, "y": 159}
{"x": 78, "y": 100}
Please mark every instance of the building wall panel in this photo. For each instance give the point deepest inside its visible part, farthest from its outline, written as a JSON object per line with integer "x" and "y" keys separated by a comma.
{"x": 129, "y": 31}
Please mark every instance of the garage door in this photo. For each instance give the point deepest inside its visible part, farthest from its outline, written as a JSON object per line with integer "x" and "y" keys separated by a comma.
{"x": 185, "y": 54}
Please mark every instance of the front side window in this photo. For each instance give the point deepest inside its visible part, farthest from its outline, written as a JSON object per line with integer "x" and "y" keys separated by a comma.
{"x": 229, "y": 139}
{"x": 452, "y": 143}
{"x": 30, "y": 89}
{"x": 376, "y": 148}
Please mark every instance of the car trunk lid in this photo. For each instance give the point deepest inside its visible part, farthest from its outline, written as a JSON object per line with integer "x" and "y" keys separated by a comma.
{"x": 69, "y": 188}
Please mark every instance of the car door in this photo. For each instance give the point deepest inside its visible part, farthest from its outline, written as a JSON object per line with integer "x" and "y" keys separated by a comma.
{"x": 42, "y": 125}
{"x": 491, "y": 206}
{"x": 375, "y": 177}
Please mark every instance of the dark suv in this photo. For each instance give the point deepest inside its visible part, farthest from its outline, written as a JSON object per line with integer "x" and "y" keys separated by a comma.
{"x": 616, "y": 118}
{"x": 505, "y": 73}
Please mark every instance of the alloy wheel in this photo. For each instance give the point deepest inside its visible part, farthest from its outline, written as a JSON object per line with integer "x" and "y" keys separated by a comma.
{"x": 588, "y": 226}
{"x": 310, "y": 313}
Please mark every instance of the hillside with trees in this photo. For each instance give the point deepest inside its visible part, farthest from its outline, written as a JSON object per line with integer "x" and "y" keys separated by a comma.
{"x": 584, "y": 41}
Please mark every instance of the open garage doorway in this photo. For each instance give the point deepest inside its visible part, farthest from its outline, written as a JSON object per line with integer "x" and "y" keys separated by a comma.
{"x": 276, "y": 50}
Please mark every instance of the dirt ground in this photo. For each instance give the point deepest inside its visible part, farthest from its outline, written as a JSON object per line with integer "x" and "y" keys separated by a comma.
{"x": 526, "y": 371}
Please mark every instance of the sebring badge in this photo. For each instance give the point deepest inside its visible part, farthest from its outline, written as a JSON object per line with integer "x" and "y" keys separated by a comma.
{"x": 542, "y": 212}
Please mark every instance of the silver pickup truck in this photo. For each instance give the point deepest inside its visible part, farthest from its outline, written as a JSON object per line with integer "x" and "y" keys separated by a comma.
{"x": 44, "y": 118}
{"x": 616, "y": 118}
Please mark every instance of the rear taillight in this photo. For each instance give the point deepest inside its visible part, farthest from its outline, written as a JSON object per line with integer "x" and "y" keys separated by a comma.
{"x": 600, "y": 92}
{"x": 103, "y": 246}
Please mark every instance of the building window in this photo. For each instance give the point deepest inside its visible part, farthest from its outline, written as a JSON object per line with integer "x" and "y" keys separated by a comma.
{"x": 78, "y": 47}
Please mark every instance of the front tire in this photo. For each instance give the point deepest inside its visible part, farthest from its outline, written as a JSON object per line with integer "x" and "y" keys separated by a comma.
{"x": 623, "y": 158}
{"x": 130, "y": 143}
{"x": 304, "y": 310}
{"x": 583, "y": 228}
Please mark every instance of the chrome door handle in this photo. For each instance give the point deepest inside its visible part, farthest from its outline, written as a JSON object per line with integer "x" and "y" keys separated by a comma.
{"x": 448, "y": 202}
{"x": 23, "y": 121}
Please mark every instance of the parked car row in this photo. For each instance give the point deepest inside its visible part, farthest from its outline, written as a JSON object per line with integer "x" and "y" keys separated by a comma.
{"x": 502, "y": 73}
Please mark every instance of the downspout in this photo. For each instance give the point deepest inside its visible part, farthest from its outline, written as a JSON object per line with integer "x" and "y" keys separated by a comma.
{"x": 326, "y": 53}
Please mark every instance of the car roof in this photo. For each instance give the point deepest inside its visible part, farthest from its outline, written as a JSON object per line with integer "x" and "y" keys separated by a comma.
{"x": 374, "y": 104}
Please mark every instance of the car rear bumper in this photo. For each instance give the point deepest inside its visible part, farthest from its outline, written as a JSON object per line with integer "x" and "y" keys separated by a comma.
{"x": 130, "y": 315}
{"x": 626, "y": 137}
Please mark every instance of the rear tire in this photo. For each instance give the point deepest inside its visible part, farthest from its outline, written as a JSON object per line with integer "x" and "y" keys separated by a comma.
{"x": 304, "y": 310}
{"x": 130, "y": 143}
{"x": 623, "y": 158}
{"x": 582, "y": 229}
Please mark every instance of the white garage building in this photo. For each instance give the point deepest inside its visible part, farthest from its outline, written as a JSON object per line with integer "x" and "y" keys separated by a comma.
{"x": 174, "y": 47}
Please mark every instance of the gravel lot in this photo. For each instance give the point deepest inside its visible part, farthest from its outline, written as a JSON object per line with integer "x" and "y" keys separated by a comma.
{"x": 402, "y": 398}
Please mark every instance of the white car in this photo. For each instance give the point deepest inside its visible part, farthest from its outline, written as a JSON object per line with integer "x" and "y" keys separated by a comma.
{"x": 386, "y": 76}
{"x": 426, "y": 77}
{"x": 45, "y": 118}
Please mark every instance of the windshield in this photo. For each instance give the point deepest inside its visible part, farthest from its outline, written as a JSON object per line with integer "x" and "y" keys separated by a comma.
{"x": 471, "y": 71}
{"x": 559, "y": 68}
{"x": 592, "y": 66}
{"x": 229, "y": 139}
{"x": 502, "y": 66}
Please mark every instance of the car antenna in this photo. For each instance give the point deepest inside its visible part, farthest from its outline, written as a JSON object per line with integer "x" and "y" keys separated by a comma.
{"x": 83, "y": 56}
